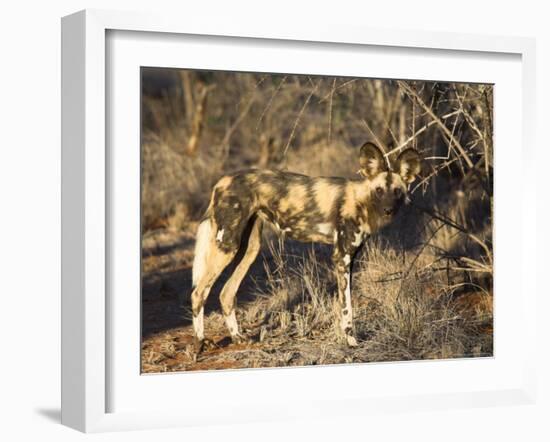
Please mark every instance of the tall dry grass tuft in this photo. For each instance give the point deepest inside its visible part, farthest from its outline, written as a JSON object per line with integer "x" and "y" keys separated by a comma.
{"x": 412, "y": 310}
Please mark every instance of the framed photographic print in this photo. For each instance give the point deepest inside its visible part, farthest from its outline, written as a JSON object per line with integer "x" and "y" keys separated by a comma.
{"x": 250, "y": 214}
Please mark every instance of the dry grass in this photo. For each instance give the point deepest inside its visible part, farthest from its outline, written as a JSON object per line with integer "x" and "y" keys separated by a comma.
{"x": 405, "y": 308}
{"x": 422, "y": 289}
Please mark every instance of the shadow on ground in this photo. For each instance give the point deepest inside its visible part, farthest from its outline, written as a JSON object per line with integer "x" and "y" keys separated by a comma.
{"x": 166, "y": 290}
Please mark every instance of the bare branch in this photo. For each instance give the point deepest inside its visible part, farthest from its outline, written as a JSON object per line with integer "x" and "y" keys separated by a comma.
{"x": 299, "y": 116}
{"x": 330, "y": 111}
{"x": 378, "y": 140}
{"x": 270, "y": 102}
{"x": 454, "y": 142}
{"x": 198, "y": 120}
{"x": 327, "y": 96}
{"x": 418, "y": 132}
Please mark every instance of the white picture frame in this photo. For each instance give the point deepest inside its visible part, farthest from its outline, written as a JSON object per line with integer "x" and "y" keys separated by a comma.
{"x": 87, "y": 207}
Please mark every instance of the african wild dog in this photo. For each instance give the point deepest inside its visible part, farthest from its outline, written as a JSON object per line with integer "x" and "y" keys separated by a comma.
{"x": 331, "y": 210}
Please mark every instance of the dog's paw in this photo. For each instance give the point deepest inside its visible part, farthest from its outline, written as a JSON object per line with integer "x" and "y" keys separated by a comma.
{"x": 201, "y": 345}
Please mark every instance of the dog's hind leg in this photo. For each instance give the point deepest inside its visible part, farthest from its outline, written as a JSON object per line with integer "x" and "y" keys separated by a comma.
{"x": 210, "y": 261}
{"x": 250, "y": 246}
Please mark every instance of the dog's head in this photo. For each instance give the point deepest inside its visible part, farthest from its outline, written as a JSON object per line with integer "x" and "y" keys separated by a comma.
{"x": 388, "y": 186}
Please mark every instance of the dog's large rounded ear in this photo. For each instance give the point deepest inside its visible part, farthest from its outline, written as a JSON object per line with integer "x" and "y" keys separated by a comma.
{"x": 371, "y": 160}
{"x": 407, "y": 165}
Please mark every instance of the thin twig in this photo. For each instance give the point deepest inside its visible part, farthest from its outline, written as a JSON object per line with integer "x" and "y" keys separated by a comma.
{"x": 330, "y": 111}
{"x": 234, "y": 126}
{"x": 435, "y": 171}
{"x": 453, "y": 224}
{"x": 470, "y": 120}
{"x": 378, "y": 140}
{"x": 299, "y": 116}
{"x": 413, "y": 95}
{"x": 327, "y": 96}
{"x": 395, "y": 140}
{"x": 270, "y": 102}
{"x": 418, "y": 132}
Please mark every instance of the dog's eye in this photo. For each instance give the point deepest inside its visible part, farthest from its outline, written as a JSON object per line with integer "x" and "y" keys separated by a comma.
{"x": 398, "y": 192}
{"x": 379, "y": 191}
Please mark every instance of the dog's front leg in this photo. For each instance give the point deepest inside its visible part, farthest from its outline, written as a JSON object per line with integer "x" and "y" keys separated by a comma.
{"x": 342, "y": 258}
